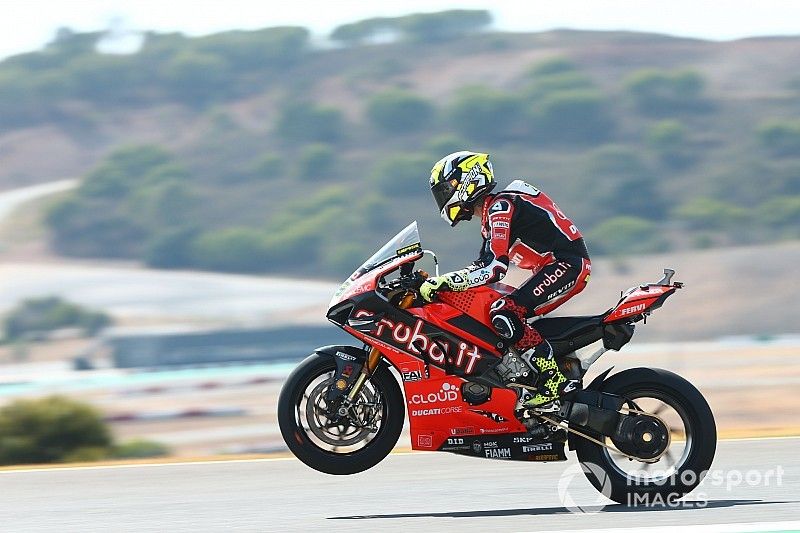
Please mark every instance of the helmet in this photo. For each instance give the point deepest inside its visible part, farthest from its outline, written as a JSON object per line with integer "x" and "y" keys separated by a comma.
{"x": 458, "y": 181}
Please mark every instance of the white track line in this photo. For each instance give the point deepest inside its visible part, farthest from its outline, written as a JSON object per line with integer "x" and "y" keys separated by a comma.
{"x": 55, "y": 468}
{"x": 743, "y": 527}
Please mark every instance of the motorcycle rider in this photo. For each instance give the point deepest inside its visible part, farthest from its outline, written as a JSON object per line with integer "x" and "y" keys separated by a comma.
{"x": 519, "y": 224}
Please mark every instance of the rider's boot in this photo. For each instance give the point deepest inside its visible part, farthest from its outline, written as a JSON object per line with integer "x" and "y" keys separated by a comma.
{"x": 551, "y": 384}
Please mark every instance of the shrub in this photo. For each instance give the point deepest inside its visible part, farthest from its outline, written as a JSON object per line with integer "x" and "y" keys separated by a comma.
{"x": 269, "y": 166}
{"x": 668, "y": 140}
{"x": 317, "y": 162}
{"x": 708, "y": 213}
{"x": 626, "y": 235}
{"x": 616, "y": 181}
{"x": 444, "y": 25}
{"x": 51, "y": 313}
{"x": 572, "y": 116}
{"x": 139, "y": 449}
{"x": 442, "y": 145}
{"x": 780, "y": 137}
{"x": 309, "y": 122}
{"x": 554, "y": 65}
{"x": 399, "y": 111}
{"x": 171, "y": 248}
{"x": 486, "y": 115}
{"x": 49, "y": 430}
{"x": 236, "y": 249}
{"x": 781, "y": 214}
{"x": 662, "y": 92}
{"x": 402, "y": 175}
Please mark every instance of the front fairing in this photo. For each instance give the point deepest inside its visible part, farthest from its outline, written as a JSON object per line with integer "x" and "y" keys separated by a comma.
{"x": 402, "y": 248}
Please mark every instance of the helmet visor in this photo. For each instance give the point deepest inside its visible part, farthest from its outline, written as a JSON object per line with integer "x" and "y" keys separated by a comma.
{"x": 443, "y": 192}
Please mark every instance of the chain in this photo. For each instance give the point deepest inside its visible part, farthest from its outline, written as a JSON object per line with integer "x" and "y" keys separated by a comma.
{"x": 557, "y": 423}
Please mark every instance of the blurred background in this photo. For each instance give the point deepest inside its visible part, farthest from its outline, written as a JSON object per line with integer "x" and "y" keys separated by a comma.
{"x": 183, "y": 186}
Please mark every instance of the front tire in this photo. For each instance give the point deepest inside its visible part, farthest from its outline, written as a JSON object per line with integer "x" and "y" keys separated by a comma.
{"x": 309, "y": 436}
{"x": 696, "y": 453}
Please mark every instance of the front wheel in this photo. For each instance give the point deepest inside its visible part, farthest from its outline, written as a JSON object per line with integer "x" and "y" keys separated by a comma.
{"x": 689, "y": 448}
{"x": 321, "y": 437}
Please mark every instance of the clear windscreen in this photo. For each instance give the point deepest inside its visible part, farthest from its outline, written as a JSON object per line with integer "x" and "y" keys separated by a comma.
{"x": 404, "y": 243}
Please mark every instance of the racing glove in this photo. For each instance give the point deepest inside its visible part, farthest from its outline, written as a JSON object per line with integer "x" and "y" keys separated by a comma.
{"x": 452, "y": 281}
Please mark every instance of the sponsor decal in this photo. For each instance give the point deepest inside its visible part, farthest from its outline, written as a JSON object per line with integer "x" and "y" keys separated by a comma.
{"x": 500, "y": 224}
{"x": 425, "y": 441}
{"x": 411, "y": 371}
{"x": 345, "y": 356}
{"x": 455, "y": 441}
{"x": 500, "y": 206}
{"x": 491, "y": 416}
{"x": 448, "y": 393}
{"x": 523, "y": 440}
{"x": 341, "y": 384}
{"x": 546, "y": 457}
{"x": 551, "y": 278}
{"x": 409, "y": 249}
{"x": 560, "y": 291}
{"x": 347, "y": 371}
{"x": 499, "y": 234}
{"x": 410, "y": 338}
{"x": 497, "y": 453}
{"x": 494, "y": 430}
{"x": 411, "y": 375}
{"x": 537, "y": 447}
{"x": 477, "y": 447}
{"x": 437, "y": 411}
{"x": 462, "y": 431}
{"x": 632, "y": 310}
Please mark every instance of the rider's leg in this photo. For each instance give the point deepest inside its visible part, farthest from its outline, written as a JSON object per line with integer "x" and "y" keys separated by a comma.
{"x": 553, "y": 285}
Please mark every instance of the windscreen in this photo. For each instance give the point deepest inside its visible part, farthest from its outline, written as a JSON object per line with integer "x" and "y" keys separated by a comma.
{"x": 405, "y": 242}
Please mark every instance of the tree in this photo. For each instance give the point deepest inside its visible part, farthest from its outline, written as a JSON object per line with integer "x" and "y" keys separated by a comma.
{"x": 487, "y": 115}
{"x": 781, "y": 137}
{"x": 398, "y": 111}
{"x": 308, "y": 122}
{"x": 709, "y": 213}
{"x": 444, "y": 25}
{"x": 578, "y": 116}
{"x": 626, "y": 235}
{"x": 40, "y": 315}
{"x": 616, "y": 181}
{"x": 660, "y": 92}
{"x": 668, "y": 139}
{"x": 317, "y": 162}
{"x": 402, "y": 174}
{"x": 50, "y": 430}
{"x": 235, "y": 249}
{"x": 356, "y": 33}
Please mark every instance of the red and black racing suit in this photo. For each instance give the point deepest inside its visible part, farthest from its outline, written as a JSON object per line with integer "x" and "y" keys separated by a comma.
{"x": 523, "y": 225}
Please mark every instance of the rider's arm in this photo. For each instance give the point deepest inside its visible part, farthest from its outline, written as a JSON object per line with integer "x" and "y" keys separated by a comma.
{"x": 492, "y": 264}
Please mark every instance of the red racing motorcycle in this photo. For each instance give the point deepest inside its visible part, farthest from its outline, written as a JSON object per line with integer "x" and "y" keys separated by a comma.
{"x": 642, "y": 431}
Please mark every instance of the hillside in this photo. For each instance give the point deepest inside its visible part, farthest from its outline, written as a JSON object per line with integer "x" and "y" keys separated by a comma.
{"x": 256, "y": 152}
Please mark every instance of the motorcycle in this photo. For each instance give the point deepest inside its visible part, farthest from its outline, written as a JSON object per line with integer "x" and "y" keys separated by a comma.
{"x": 641, "y": 432}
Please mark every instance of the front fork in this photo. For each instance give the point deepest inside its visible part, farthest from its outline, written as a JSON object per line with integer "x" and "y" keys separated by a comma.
{"x": 374, "y": 356}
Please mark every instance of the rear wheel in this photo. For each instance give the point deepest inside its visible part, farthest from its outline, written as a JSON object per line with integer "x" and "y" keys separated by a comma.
{"x": 672, "y": 470}
{"x": 324, "y": 439}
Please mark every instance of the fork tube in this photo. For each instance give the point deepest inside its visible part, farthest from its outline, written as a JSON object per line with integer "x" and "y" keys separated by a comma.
{"x": 374, "y": 356}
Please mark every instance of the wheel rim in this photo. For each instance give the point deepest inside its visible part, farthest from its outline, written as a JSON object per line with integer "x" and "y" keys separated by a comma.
{"x": 680, "y": 446}
{"x": 331, "y": 432}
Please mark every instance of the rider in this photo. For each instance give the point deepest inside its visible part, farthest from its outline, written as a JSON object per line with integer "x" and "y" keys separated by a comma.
{"x": 519, "y": 224}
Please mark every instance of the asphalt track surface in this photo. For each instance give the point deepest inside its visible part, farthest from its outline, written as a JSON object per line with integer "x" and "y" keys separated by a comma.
{"x": 407, "y": 492}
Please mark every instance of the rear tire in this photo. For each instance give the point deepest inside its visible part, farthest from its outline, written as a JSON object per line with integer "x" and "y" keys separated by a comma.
{"x": 297, "y": 436}
{"x": 700, "y": 425}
